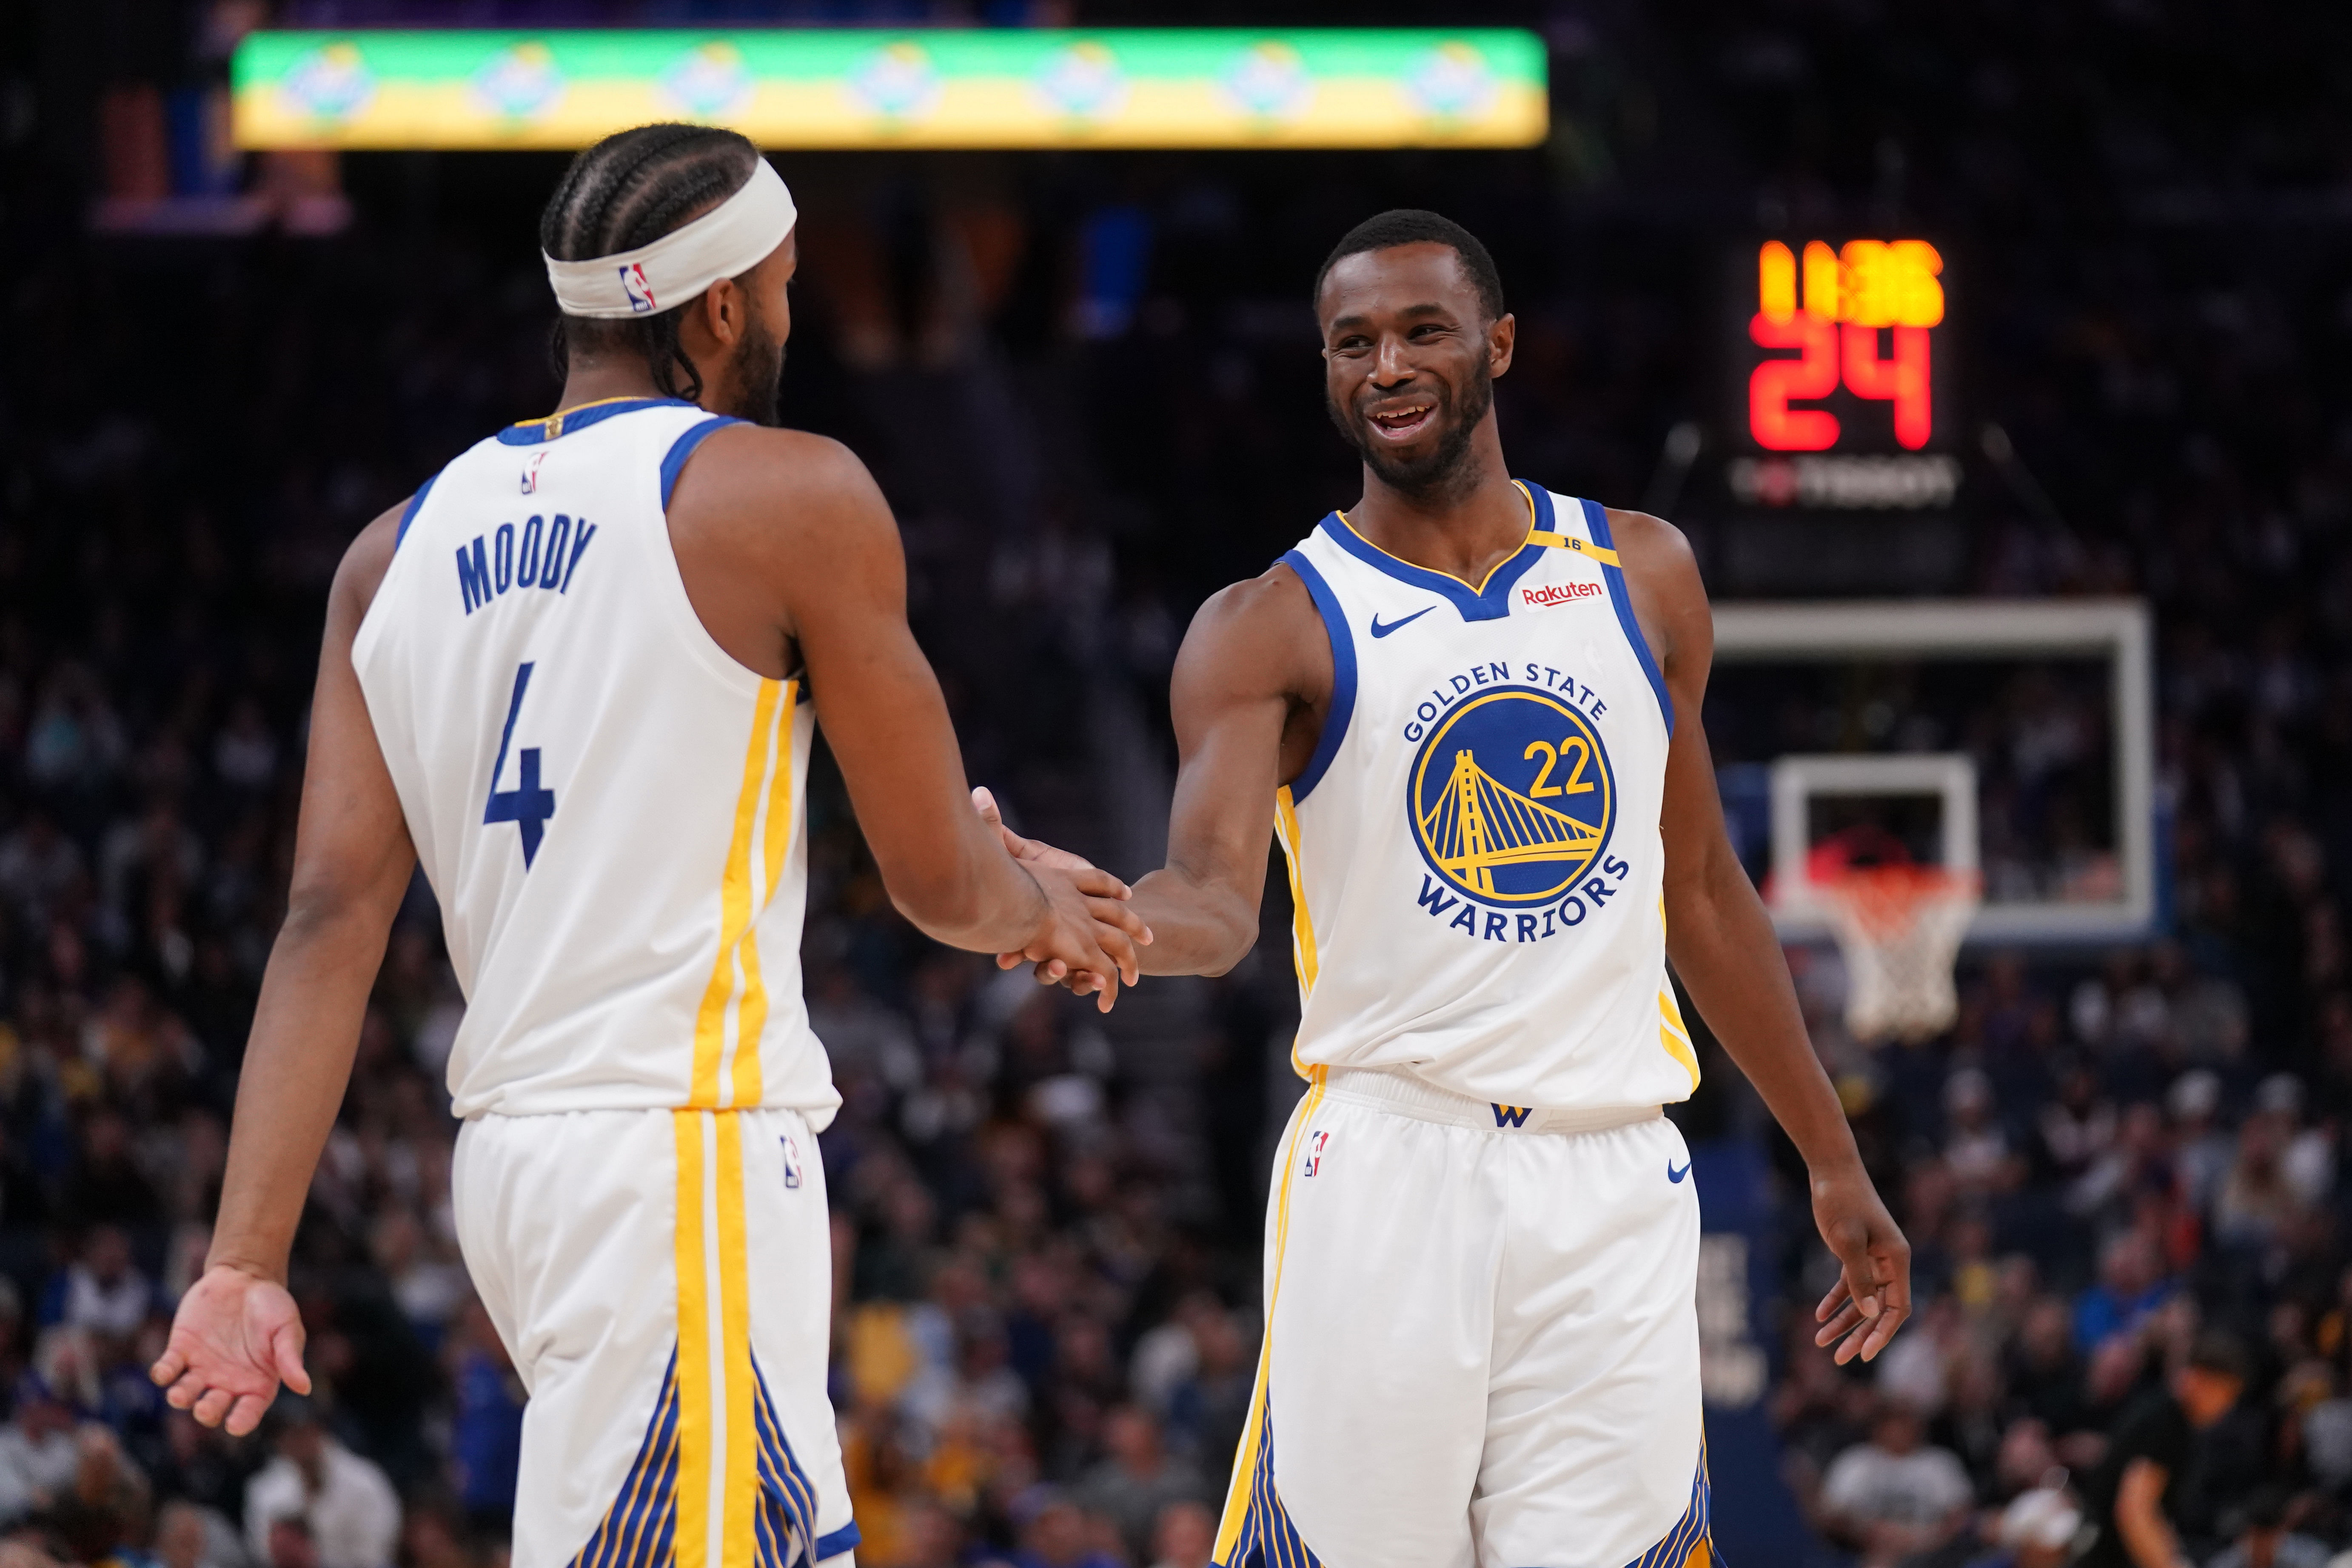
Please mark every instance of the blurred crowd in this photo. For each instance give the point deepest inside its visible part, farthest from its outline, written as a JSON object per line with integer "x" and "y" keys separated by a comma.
{"x": 1045, "y": 1254}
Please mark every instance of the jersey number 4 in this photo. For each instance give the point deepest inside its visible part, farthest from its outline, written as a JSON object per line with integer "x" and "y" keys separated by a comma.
{"x": 530, "y": 804}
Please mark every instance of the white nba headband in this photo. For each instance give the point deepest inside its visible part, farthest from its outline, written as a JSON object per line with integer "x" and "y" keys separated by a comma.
{"x": 729, "y": 239}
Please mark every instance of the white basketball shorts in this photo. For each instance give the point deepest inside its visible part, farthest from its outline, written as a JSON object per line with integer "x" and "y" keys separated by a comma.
{"x": 663, "y": 1281}
{"x": 1481, "y": 1343}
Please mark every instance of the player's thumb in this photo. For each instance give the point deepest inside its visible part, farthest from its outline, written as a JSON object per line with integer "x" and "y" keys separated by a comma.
{"x": 984, "y": 801}
{"x": 286, "y": 1350}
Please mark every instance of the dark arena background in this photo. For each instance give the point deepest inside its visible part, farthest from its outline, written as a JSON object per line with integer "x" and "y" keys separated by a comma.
{"x": 2077, "y": 531}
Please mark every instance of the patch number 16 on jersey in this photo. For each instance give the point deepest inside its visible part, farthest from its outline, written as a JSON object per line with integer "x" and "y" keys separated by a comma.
{"x": 530, "y": 804}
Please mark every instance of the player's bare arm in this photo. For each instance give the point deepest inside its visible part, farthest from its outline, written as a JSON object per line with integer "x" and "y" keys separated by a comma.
{"x": 793, "y": 560}
{"x": 1251, "y": 686}
{"x": 237, "y": 1334}
{"x": 1723, "y": 947}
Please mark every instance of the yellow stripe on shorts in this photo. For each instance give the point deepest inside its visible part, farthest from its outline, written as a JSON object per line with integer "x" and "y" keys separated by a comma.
{"x": 1237, "y": 1492}
{"x": 696, "y": 1419}
{"x": 719, "y": 1490}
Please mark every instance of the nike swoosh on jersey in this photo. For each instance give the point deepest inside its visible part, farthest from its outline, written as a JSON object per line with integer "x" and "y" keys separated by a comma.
{"x": 1674, "y": 1175}
{"x": 1380, "y": 631}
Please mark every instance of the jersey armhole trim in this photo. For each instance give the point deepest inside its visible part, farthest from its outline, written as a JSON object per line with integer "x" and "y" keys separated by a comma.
{"x": 408, "y": 514}
{"x": 683, "y": 447}
{"x": 835, "y": 1544}
{"x": 1343, "y": 674}
{"x": 1596, "y": 518}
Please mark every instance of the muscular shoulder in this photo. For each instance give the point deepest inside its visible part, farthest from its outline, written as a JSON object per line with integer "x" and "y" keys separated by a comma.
{"x": 1653, "y": 547}
{"x": 1262, "y": 634}
{"x": 1668, "y": 595}
{"x": 365, "y": 561}
{"x": 746, "y": 470}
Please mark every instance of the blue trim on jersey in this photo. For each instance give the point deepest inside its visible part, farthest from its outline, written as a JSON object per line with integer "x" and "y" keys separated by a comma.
{"x": 409, "y": 515}
{"x": 1541, "y": 499}
{"x": 1490, "y": 601}
{"x": 1596, "y": 517}
{"x": 534, "y": 432}
{"x": 1343, "y": 675}
{"x": 834, "y": 1546}
{"x": 683, "y": 448}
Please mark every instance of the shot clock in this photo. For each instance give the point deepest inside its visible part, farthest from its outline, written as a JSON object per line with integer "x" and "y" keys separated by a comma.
{"x": 1841, "y": 385}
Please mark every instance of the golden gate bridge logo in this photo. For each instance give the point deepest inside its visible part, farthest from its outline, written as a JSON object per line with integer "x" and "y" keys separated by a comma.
{"x": 1512, "y": 797}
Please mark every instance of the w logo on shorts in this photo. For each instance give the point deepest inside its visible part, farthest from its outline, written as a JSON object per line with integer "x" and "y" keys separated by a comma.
{"x": 1315, "y": 1152}
{"x": 1512, "y": 1115}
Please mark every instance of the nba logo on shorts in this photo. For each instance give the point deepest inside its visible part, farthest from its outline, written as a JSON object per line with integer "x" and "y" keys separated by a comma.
{"x": 640, "y": 292}
{"x": 1315, "y": 1152}
{"x": 792, "y": 1165}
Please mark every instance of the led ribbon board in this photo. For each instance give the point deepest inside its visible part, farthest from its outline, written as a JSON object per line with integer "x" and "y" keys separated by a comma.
{"x": 926, "y": 88}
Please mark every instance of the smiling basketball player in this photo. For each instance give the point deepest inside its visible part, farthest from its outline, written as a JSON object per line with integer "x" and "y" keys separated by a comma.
{"x": 1473, "y": 707}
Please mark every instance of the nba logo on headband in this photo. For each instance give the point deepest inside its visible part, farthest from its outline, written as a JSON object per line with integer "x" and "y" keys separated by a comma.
{"x": 640, "y": 292}
{"x": 725, "y": 242}
{"x": 680, "y": 264}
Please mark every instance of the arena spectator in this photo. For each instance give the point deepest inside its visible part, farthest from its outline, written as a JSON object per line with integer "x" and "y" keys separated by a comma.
{"x": 316, "y": 1504}
{"x": 38, "y": 1454}
{"x": 1184, "y": 1536}
{"x": 2129, "y": 1497}
{"x": 2037, "y": 1529}
{"x": 2264, "y": 1540}
{"x": 291, "y": 1544}
{"x": 105, "y": 1291}
{"x": 486, "y": 1434}
{"x": 1056, "y": 1533}
{"x": 1895, "y": 1495}
{"x": 1138, "y": 1479}
{"x": 189, "y": 1536}
{"x": 2130, "y": 1288}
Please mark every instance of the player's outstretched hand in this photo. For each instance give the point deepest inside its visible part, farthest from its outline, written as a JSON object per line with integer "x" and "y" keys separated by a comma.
{"x": 1089, "y": 935}
{"x": 235, "y": 1339}
{"x": 1872, "y": 1295}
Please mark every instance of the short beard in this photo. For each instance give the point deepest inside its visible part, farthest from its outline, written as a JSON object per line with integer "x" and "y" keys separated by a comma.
{"x": 758, "y": 363}
{"x": 1439, "y": 471}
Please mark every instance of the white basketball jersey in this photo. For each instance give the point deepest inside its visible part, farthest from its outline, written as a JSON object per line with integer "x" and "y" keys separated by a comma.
{"x": 607, "y": 806}
{"x": 1474, "y": 852}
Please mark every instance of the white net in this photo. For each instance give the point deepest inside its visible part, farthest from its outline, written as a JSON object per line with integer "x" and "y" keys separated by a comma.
{"x": 1899, "y": 928}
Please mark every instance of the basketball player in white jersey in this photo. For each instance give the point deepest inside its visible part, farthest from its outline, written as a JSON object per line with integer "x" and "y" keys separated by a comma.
{"x": 575, "y": 676}
{"x": 1472, "y": 706}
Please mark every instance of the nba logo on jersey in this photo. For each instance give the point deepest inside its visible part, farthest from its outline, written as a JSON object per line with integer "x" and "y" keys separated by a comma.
{"x": 640, "y": 292}
{"x": 792, "y": 1165}
{"x": 1315, "y": 1146}
{"x": 531, "y": 473}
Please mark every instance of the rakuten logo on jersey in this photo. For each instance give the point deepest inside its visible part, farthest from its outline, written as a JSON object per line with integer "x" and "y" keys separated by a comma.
{"x": 1552, "y": 594}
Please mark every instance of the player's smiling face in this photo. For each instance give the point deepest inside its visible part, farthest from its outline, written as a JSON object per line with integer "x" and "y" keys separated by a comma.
{"x": 1408, "y": 359}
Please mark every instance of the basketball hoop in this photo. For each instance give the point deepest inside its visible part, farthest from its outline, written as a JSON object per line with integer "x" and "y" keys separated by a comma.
{"x": 1899, "y": 926}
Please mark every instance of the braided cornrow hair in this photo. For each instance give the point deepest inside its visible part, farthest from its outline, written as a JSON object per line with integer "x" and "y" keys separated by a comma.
{"x": 626, "y": 191}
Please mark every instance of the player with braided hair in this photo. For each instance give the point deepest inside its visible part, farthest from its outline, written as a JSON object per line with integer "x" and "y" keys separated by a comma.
{"x": 575, "y": 676}
{"x": 628, "y": 191}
